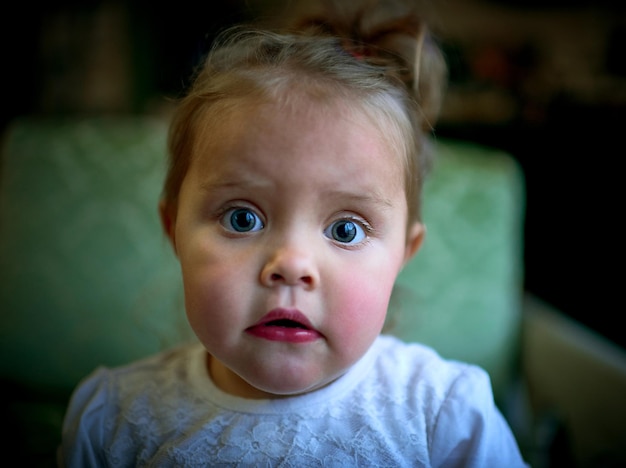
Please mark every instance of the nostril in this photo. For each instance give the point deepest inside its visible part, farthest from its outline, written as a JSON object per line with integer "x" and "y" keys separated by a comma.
{"x": 289, "y": 269}
{"x": 278, "y": 278}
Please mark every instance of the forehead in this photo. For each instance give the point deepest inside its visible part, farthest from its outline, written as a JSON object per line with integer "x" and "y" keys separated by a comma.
{"x": 315, "y": 119}
{"x": 298, "y": 147}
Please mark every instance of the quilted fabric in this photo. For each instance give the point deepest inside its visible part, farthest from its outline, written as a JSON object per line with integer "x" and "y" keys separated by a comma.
{"x": 87, "y": 275}
{"x": 462, "y": 293}
{"x": 88, "y": 278}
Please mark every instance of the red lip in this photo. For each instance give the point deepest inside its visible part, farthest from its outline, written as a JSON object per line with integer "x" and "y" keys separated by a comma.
{"x": 288, "y": 325}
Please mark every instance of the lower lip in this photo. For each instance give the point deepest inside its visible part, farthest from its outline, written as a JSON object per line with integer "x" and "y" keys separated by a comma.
{"x": 285, "y": 334}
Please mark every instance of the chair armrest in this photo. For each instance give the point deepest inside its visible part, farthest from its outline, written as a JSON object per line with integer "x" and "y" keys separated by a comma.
{"x": 578, "y": 377}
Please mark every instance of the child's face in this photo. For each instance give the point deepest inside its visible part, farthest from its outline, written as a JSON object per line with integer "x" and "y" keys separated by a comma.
{"x": 290, "y": 230}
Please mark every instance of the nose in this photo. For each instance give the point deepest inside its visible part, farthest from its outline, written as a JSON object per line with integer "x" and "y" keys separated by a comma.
{"x": 290, "y": 266}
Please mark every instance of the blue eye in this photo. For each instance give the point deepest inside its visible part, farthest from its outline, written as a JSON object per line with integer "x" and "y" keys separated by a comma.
{"x": 242, "y": 220}
{"x": 346, "y": 232}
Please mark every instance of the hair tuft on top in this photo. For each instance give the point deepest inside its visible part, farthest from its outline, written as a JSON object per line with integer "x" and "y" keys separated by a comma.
{"x": 388, "y": 33}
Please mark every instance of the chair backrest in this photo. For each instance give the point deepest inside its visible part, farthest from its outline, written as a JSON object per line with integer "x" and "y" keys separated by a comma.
{"x": 89, "y": 279}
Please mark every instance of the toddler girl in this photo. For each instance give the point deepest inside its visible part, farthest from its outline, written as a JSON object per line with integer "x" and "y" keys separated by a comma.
{"x": 292, "y": 203}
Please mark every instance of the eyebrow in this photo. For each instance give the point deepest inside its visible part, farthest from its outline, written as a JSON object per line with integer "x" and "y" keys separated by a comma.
{"x": 371, "y": 198}
{"x": 367, "y": 198}
{"x": 221, "y": 184}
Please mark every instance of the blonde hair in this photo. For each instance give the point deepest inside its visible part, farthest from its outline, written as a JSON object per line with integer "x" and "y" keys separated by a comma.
{"x": 251, "y": 63}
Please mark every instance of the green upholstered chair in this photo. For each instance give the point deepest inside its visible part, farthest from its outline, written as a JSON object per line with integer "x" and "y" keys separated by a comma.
{"x": 89, "y": 279}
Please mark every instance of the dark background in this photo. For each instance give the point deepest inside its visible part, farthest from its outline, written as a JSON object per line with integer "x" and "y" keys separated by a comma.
{"x": 542, "y": 80}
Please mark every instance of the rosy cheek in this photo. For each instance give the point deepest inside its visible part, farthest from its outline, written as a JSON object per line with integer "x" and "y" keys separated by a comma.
{"x": 361, "y": 309}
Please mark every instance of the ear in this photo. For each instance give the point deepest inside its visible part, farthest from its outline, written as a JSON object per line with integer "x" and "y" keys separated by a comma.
{"x": 414, "y": 239}
{"x": 167, "y": 213}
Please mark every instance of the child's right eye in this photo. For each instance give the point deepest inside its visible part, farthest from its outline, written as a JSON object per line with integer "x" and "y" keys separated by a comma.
{"x": 242, "y": 220}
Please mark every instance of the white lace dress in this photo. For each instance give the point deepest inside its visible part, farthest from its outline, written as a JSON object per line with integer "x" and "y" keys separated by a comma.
{"x": 400, "y": 405}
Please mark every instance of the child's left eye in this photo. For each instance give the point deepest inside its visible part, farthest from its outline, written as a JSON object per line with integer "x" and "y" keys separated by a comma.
{"x": 346, "y": 231}
{"x": 242, "y": 220}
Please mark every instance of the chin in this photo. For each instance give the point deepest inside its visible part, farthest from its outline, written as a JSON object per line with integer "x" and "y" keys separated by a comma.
{"x": 286, "y": 392}
{"x": 288, "y": 385}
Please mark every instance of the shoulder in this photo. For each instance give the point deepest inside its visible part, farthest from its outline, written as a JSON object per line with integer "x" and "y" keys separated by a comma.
{"x": 413, "y": 365}
{"x": 414, "y": 380}
{"x": 452, "y": 401}
{"x": 124, "y": 381}
{"x": 103, "y": 402}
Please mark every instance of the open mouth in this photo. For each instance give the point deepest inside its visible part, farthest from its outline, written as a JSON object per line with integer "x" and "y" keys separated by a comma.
{"x": 285, "y": 323}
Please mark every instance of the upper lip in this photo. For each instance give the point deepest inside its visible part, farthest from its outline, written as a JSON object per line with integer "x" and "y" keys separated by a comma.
{"x": 287, "y": 316}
